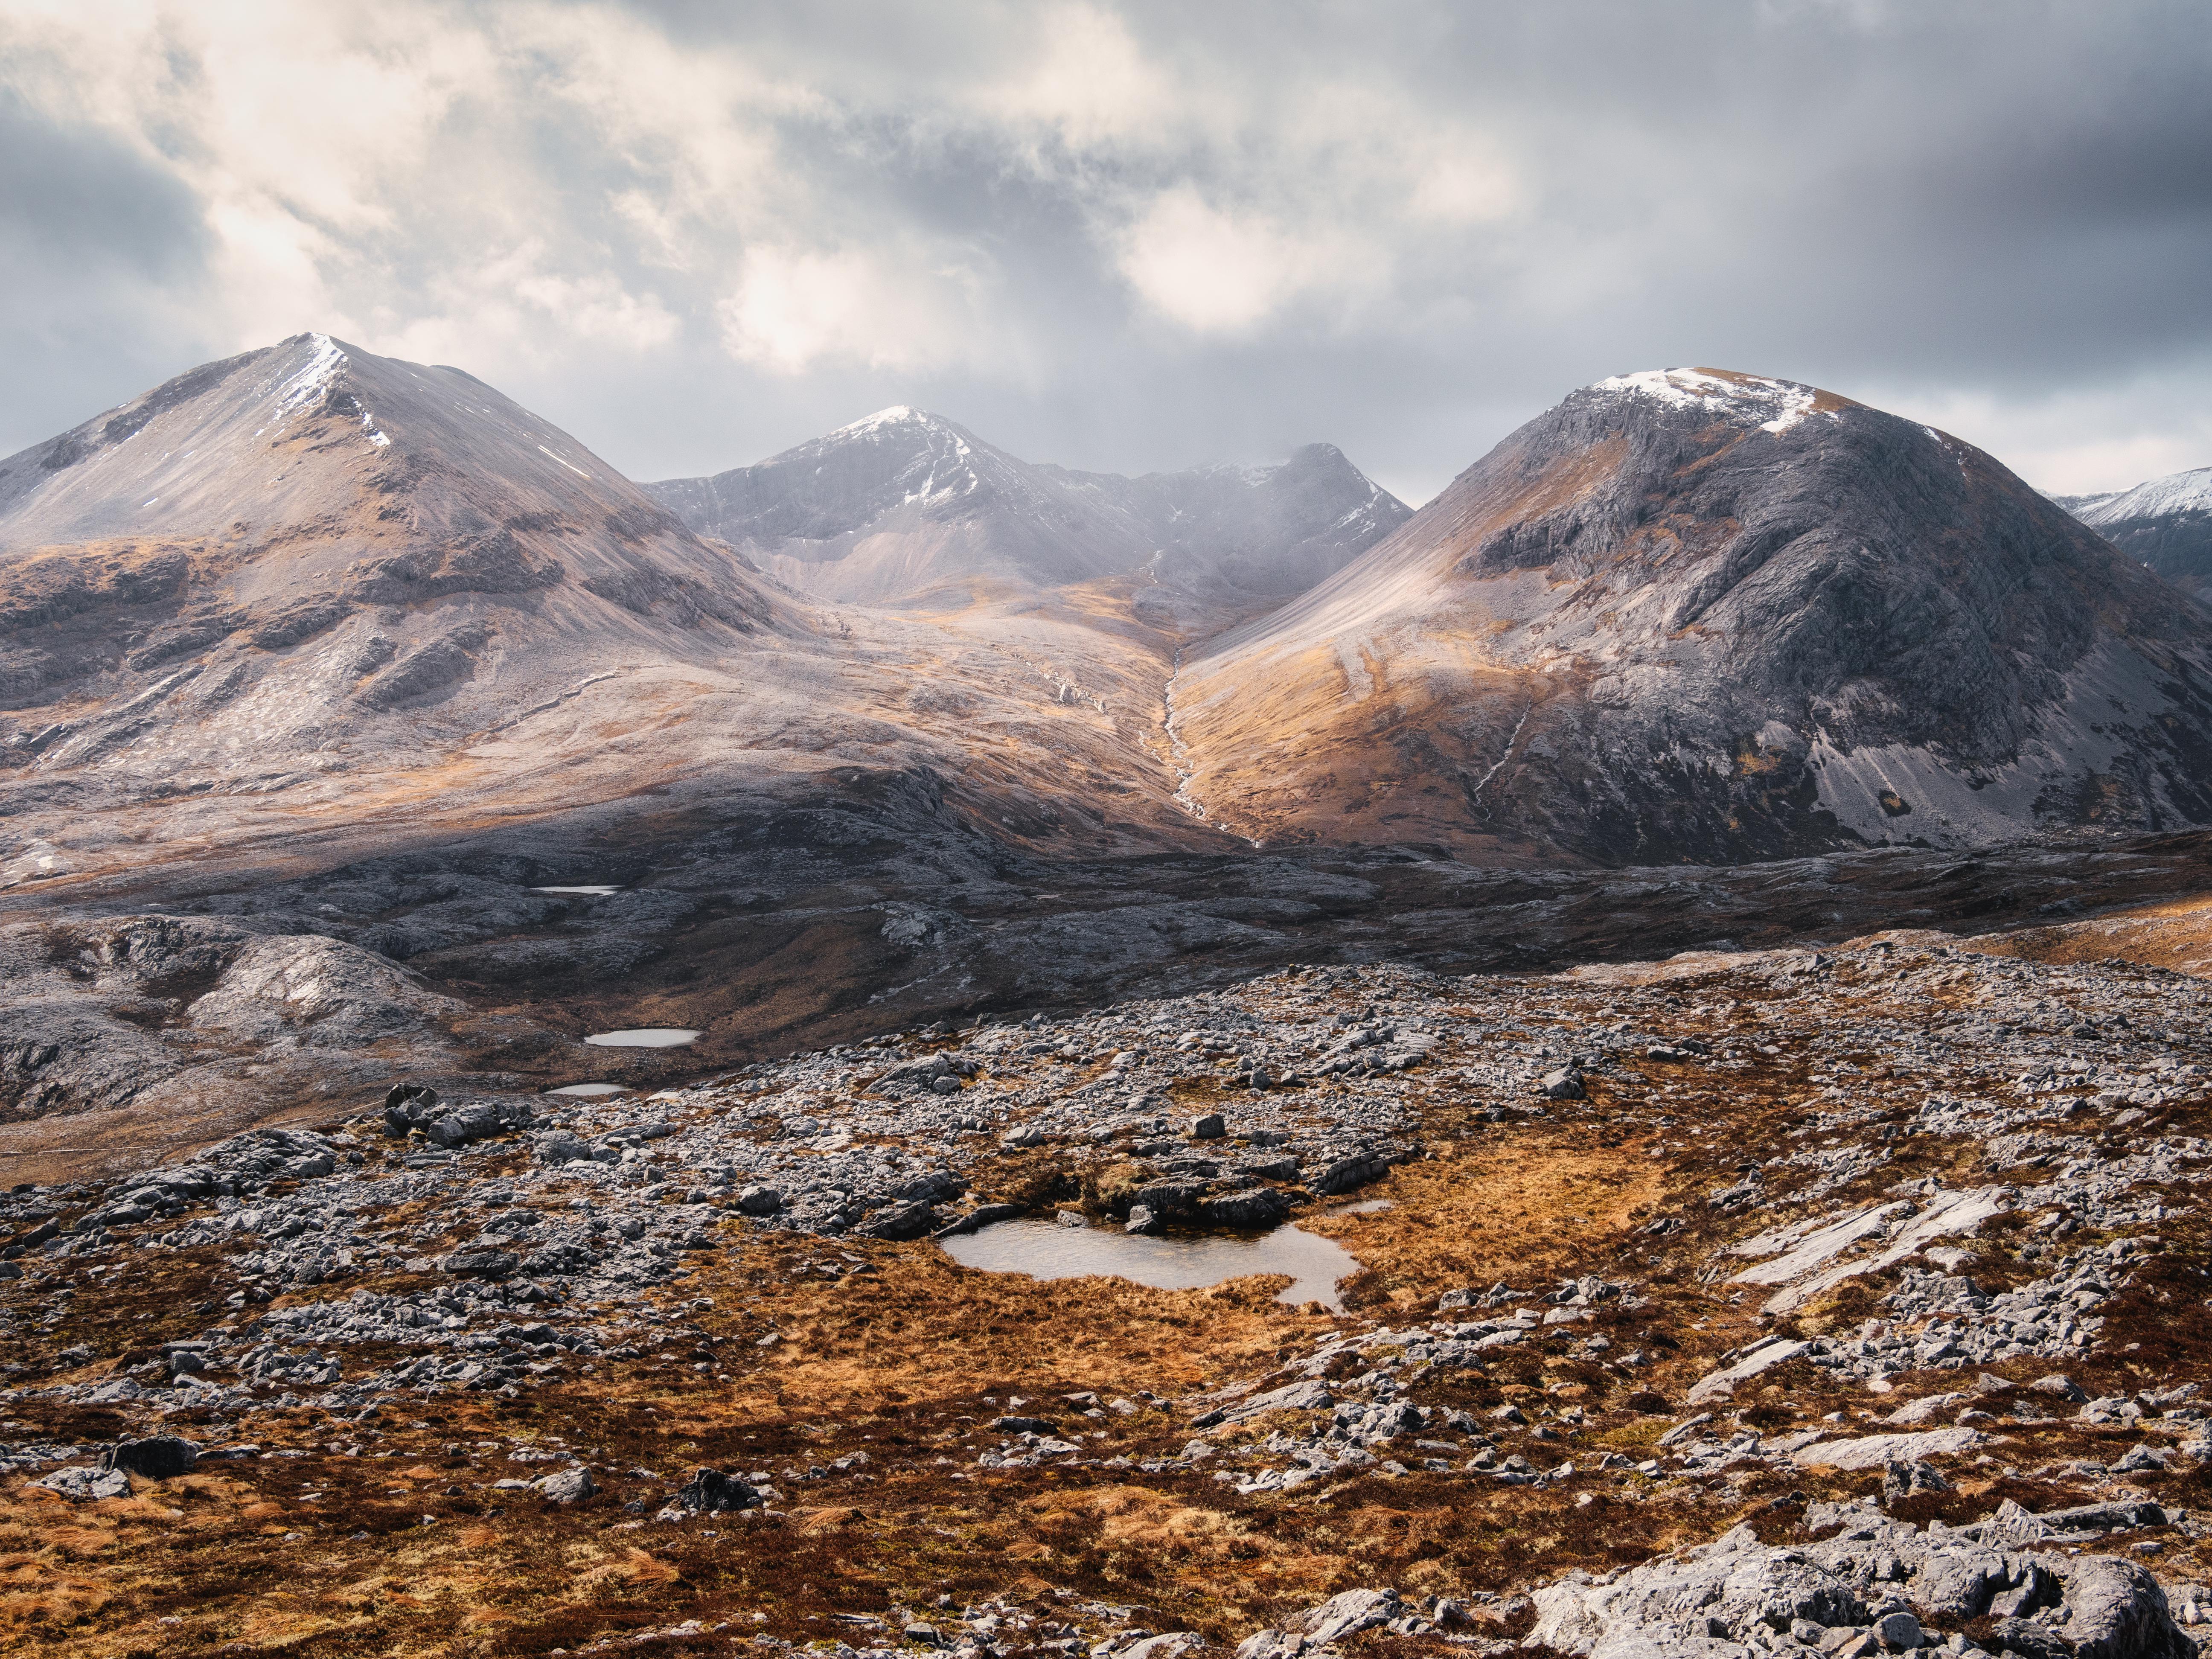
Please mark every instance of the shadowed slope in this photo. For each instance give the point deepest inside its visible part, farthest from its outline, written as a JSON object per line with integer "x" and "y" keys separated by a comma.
{"x": 2165, "y": 523}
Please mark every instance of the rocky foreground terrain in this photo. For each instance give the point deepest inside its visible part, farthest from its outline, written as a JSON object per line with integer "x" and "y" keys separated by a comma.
{"x": 1843, "y": 1301}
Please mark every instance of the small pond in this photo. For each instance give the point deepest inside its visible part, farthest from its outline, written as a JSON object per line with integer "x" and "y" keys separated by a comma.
{"x": 590, "y": 1091}
{"x": 649, "y": 1037}
{"x": 1047, "y": 1249}
{"x": 596, "y": 892}
{"x": 1365, "y": 1207}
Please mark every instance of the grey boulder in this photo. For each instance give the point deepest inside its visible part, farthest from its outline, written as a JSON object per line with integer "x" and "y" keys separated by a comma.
{"x": 81, "y": 1485}
{"x": 759, "y": 1200}
{"x": 566, "y": 1486}
{"x": 2114, "y": 1609}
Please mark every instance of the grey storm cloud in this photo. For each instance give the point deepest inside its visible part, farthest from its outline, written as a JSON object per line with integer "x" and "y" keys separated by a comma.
{"x": 1130, "y": 236}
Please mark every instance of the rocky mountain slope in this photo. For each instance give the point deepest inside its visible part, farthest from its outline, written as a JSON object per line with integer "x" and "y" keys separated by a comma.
{"x": 242, "y": 573}
{"x": 1796, "y": 1303}
{"x": 1698, "y": 614}
{"x": 906, "y": 507}
{"x": 309, "y": 596}
{"x": 2165, "y": 523}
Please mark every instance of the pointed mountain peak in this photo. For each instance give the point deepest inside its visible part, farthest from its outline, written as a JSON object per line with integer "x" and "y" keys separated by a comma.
{"x": 899, "y": 415}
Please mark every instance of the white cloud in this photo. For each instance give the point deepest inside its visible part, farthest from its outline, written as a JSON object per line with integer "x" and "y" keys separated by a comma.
{"x": 1212, "y": 270}
{"x": 2077, "y": 441}
{"x": 792, "y": 309}
{"x": 1089, "y": 83}
{"x": 1082, "y": 210}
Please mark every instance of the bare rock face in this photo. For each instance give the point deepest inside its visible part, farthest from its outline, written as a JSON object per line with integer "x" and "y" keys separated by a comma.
{"x": 906, "y": 504}
{"x": 1701, "y": 615}
{"x": 2167, "y": 524}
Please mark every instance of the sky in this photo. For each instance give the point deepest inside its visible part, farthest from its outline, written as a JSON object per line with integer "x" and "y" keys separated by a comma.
{"x": 1129, "y": 237}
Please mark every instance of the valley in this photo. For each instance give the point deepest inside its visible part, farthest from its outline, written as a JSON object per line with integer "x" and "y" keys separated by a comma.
{"x": 546, "y": 1015}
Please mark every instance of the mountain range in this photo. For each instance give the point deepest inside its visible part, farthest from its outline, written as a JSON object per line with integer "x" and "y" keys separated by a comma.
{"x": 348, "y": 687}
{"x": 906, "y": 508}
{"x": 1700, "y": 614}
{"x": 2166, "y": 523}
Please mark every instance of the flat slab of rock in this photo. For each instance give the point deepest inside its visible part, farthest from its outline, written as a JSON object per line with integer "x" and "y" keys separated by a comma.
{"x": 1874, "y": 1450}
{"x": 1760, "y": 1359}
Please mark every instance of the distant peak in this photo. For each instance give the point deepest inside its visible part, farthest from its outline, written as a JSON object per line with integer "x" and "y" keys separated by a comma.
{"x": 1725, "y": 390}
{"x": 896, "y": 414}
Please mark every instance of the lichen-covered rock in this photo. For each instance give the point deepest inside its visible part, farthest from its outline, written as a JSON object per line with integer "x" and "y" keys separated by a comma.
{"x": 1724, "y": 1588}
{"x": 83, "y": 1486}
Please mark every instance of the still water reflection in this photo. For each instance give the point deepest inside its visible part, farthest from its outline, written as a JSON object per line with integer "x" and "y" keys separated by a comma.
{"x": 1046, "y": 1249}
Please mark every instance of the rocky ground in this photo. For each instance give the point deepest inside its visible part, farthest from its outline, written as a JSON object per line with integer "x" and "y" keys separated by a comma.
{"x": 151, "y": 1015}
{"x": 1849, "y": 1300}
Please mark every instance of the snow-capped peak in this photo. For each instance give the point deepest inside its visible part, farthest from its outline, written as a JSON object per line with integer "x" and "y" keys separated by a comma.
{"x": 2177, "y": 492}
{"x": 300, "y": 389}
{"x": 1783, "y": 402}
{"x": 896, "y": 414}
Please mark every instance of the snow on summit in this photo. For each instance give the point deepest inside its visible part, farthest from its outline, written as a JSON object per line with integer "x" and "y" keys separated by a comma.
{"x": 1783, "y": 402}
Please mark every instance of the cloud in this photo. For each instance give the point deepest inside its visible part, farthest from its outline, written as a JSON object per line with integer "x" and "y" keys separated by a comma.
{"x": 1210, "y": 269}
{"x": 792, "y": 309}
{"x": 1125, "y": 234}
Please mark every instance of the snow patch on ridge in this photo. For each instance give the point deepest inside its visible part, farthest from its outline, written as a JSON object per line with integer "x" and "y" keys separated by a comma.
{"x": 896, "y": 414}
{"x": 1783, "y": 402}
{"x": 323, "y": 362}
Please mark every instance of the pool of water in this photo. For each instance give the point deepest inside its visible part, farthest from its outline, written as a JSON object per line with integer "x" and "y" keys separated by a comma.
{"x": 649, "y": 1037}
{"x": 590, "y": 1089}
{"x": 1365, "y": 1207}
{"x": 1046, "y": 1249}
{"x": 596, "y": 892}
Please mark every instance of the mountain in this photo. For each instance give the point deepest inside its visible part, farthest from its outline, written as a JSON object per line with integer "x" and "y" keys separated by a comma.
{"x": 1267, "y": 532}
{"x": 906, "y": 504}
{"x": 310, "y": 593}
{"x": 1697, "y": 614}
{"x": 307, "y": 533}
{"x": 2165, "y": 523}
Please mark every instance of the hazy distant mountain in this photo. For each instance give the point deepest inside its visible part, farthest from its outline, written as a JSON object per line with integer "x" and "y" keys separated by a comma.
{"x": 906, "y": 503}
{"x": 1269, "y": 531}
{"x": 2165, "y": 523}
{"x": 1697, "y": 614}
